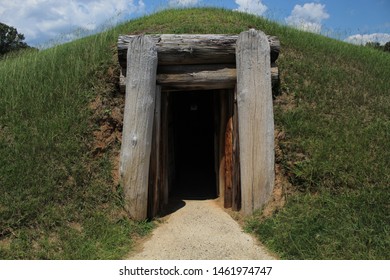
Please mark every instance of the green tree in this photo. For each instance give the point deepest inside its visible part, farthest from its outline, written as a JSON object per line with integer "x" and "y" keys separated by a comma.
{"x": 386, "y": 48}
{"x": 10, "y": 39}
{"x": 374, "y": 45}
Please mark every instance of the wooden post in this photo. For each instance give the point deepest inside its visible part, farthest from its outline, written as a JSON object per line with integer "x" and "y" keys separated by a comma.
{"x": 220, "y": 141}
{"x": 255, "y": 116}
{"x": 138, "y": 124}
{"x": 222, "y": 97}
{"x": 228, "y": 163}
{"x": 165, "y": 148}
{"x": 236, "y": 188}
{"x": 154, "y": 204}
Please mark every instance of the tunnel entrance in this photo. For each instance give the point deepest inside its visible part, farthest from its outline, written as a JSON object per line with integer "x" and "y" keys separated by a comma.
{"x": 193, "y": 137}
{"x": 195, "y": 153}
{"x": 218, "y": 142}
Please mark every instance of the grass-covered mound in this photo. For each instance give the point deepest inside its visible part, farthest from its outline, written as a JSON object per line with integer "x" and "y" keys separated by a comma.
{"x": 60, "y": 200}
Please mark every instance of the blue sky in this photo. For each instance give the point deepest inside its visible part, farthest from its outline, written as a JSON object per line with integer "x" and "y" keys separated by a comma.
{"x": 40, "y": 21}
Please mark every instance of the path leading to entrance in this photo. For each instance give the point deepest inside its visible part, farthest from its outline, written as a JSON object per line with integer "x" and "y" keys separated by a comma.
{"x": 200, "y": 230}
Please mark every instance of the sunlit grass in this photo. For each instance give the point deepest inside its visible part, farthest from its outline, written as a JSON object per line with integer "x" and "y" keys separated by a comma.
{"x": 57, "y": 199}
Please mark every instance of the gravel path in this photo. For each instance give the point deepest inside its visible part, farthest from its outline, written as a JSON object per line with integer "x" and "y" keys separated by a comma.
{"x": 200, "y": 230}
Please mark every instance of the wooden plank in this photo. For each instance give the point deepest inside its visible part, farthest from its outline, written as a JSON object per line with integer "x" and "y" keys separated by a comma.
{"x": 192, "y": 68}
{"x": 138, "y": 124}
{"x": 216, "y": 136}
{"x": 171, "y": 147}
{"x": 184, "y": 74}
{"x": 221, "y": 121}
{"x": 236, "y": 187}
{"x": 194, "y": 49}
{"x": 228, "y": 163}
{"x": 255, "y": 115}
{"x": 202, "y": 77}
{"x": 188, "y": 49}
{"x": 164, "y": 148}
{"x": 122, "y": 83}
{"x": 154, "y": 205}
{"x": 196, "y": 79}
{"x": 275, "y": 79}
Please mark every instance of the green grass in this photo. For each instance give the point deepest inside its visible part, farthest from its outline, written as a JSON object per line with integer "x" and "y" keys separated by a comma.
{"x": 349, "y": 225}
{"x": 59, "y": 200}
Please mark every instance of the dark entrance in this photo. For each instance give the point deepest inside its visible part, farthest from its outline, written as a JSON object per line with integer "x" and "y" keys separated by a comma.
{"x": 194, "y": 152}
{"x": 193, "y": 135}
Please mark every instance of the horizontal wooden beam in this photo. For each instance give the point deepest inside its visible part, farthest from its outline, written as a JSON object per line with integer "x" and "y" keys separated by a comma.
{"x": 199, "y": 77}
{"x": 196, "y": 79}
{"x": 193, "y": 68}
{"x": 194, "y": 49}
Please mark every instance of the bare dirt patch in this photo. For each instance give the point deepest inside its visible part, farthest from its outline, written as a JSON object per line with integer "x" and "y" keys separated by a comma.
{"x": 107, "y": 120}
{"x": 5, "y": 243}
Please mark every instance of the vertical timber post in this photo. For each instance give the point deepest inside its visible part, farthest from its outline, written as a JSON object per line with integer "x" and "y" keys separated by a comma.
{"x": 164, "y": 146}
{"x": 255, "y": 116}
{"x": 154, "y": 204}
{"x": 236, "y": 193}
{"x": 228, "y": 149}
{"x": 138, "y": 124}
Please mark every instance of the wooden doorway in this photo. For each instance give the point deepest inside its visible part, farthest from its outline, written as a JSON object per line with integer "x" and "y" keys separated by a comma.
{"x": 195, "y": 149}
{"x": 237, "y": 66}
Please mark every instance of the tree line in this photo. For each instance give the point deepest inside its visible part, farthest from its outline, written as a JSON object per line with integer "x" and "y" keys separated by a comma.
{"x": 10, "y": 40}
{"x": 376, "y": 45}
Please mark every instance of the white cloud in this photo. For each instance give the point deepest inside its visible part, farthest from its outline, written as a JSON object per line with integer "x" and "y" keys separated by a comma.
{"x": 183, "y": 3}
{"x": 255, "y": 7}
{"x": 362, "y": 39}
{"x": 41, "y": 20}
{"x": 308, "y": 17}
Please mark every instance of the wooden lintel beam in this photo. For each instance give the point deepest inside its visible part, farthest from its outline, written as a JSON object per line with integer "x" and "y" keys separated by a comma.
{"x": 194, "y": 49}
{"x": 167, "y": 76}
{"x": 199, "y": 80}
{"x": 201, "y": 77}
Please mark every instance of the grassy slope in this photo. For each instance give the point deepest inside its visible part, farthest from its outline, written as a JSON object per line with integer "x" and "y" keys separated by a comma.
{"x": 59, "y": 200}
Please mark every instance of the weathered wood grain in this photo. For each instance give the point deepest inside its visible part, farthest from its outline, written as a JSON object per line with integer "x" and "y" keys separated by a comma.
{"x": 194, "y": 78}
{"x": 171, "y": 73}
{"x": 194, "y": 49}
{"x": 219, "y": 135}
{"x": 228, "y": 163}
{"x": 165, "y": 147}
{"x": 138, "y": 124}
{"x": 243, "y": 133}
{"x": 154, "y": 196}
{"x": 255, "y": 114}
{"x": 236, "y": 188}
{"x": 202, "y": 77}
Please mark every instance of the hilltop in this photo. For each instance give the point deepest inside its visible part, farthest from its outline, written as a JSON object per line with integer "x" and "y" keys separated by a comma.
{"x": 60, "y": 131}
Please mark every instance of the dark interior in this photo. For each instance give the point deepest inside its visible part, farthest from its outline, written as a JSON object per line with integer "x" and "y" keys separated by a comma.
{"x": 193, "y": 129}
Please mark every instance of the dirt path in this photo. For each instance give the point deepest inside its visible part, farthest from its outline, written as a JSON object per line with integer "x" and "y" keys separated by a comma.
{"x": 200, "y": 229}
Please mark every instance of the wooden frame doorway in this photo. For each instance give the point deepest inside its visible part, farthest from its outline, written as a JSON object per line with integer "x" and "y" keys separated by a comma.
{"x": 239, "y": 65}
{"x": 210, "y": 158}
